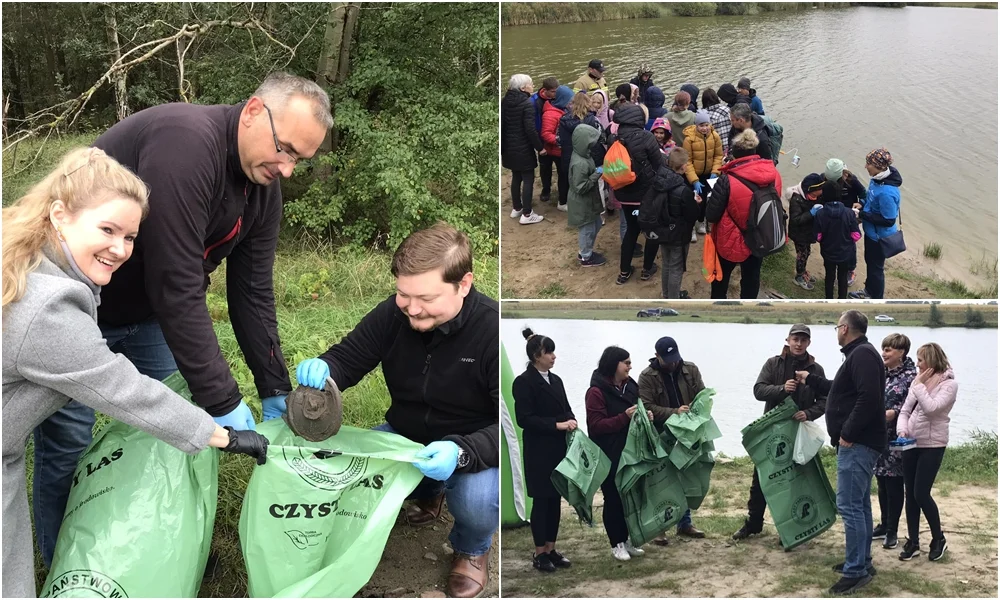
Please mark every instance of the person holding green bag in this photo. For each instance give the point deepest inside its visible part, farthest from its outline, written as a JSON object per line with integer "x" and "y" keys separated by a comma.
{"x": 62, "y": 241}
{"x": 437, "y": 339}
{"x": 775, "y": 383}
{"x": 611, "y": 402}
{"x": 668, "y": 386}
{"x": 544, "y": 414}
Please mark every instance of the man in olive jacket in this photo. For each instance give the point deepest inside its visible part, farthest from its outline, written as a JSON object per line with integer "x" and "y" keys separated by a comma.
{"x": 667, "y": 386}
{"x": 775, "y": 383}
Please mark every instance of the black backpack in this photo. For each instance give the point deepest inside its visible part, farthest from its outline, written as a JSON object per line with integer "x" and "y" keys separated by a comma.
{"x": 655, "y": 221}
{"x": 765, "y": 232}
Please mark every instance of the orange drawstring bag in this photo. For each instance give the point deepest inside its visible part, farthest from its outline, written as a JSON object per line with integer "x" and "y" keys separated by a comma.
{"x": 711, "y": 268}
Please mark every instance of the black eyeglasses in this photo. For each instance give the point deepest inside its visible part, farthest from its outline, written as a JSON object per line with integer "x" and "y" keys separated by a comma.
{"x": 839, "y": 326}
{"x": 277, "y": 145}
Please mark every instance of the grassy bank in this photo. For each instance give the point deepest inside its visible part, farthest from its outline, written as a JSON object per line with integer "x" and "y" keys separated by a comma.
{"x": 811, "y": 313}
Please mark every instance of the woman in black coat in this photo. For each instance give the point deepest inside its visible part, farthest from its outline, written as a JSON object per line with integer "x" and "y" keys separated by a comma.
{"x": 519, "y": 140}
{"x": 544, "y": 415}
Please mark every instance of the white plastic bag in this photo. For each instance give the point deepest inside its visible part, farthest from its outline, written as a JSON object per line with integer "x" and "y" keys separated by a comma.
{"x": 808, "y": 440}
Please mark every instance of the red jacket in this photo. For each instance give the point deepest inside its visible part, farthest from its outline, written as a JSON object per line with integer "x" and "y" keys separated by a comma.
{"x": 729, "y": 204}
{"x": 550, "y": 124}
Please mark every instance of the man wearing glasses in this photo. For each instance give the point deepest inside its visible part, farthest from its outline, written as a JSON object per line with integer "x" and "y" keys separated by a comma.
{"x": 212, "y": 174}
{"x": 855, "y": 420}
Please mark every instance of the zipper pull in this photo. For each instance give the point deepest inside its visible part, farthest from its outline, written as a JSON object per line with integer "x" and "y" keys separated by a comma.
{"x": 427, "y": 365}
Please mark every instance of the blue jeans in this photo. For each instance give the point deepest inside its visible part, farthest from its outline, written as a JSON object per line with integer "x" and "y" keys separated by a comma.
{"x": 62, "y": 438}
{"x": 588, "y": 236}
{"x": 854, "y": 483}
{"x": 685, "y": 520}
{"x": 875, "y": 263}
{"x": 474, "y": 501}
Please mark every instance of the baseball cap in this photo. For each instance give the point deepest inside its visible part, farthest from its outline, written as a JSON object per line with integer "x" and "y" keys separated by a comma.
{"x": 666, "y": 348}
{"x": 597, "y": 64}
{"x": 800, "y": 328}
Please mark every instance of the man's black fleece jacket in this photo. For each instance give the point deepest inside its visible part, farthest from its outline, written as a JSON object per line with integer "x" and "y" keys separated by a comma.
{"x": 443, "y": 384}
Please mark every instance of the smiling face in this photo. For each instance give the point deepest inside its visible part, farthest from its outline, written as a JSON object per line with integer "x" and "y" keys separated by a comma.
{"x": 660, "y": 135}
{"x": 100, "y": 238}
{"x": 298, "y": 132}
{"x": 892, "y": 357}
{"x": 798, "y": 344}
{"x": 624, "y": 366}
{"x": 596, "y": 102}
{"x": 428, "y": 301}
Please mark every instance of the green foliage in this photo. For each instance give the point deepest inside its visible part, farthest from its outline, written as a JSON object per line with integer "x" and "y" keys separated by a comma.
{"x": 972, "y": 462}
{"x": 974, "y": 318}
{"x": 737, "y": 8}
{"x": 934, "y": 318}
{"x": 694, "y": 9}
{"x": 748, "y": 320}
{"x": 552, "y": 290}
{"x": 534, "y": 13}
{"x": 933, "y": 251}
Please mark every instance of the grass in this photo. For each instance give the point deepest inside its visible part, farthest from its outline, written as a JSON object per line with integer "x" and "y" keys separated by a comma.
{"x": 534, "y": 13}
{"x": 986, "y": 269}
{"x": 15, "y": 183}
{"x": 933, "y": 251}
{"x": 553, "y": 290}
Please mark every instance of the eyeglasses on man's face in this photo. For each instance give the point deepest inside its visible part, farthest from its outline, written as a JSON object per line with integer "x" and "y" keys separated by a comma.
{"x": 277, "y": 145}
{"x": 837, "y": 327}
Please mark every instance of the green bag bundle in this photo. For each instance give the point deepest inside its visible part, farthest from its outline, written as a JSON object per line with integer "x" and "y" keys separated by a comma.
{"x": 688, "y": 438}
{"x": 800, "y": 497}
{"x": 316, "y": 516}
{"x": 139, "y": 517}
{"x": 578, "y": 476}
{"x": 651, "y": 491}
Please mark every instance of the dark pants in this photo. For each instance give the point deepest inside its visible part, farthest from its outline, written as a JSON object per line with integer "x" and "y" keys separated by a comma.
{"x": 875, "y": 263}
{"x": 614, "y": 510}
{"x": 802, "y": 252}
{"x": 749, "y": 278}
{"x": 520, "y": 190}
{"x": 545, "y": 173}
{"x": 563, "y": 166}
{"x": 545, "y": 520}
{"x": 756, "y": 504}
{"x": 837, "y": 272}
{"x": 920, "y": 468}
{"x": 890, "y": 500}
{"x": 631, "y": 237}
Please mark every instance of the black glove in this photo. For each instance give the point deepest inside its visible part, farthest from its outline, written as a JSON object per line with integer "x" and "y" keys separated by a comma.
{"x": 247, "y": 442}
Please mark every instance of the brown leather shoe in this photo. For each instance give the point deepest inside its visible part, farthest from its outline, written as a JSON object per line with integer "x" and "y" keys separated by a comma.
{"x": 424, "y": 512}
{"x": 469, "y": 575}
{"x": 661, "y": 540}
{"x": 691, "y": 532}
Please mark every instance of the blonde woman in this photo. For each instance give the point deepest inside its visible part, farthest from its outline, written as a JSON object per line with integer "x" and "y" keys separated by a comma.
{"x": 62, "y": 241}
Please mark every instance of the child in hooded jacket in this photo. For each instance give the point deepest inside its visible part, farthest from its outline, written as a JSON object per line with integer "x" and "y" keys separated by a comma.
{"x": 661, "y": 131}
{"x": 704, "y": 148}
{"x": 802, "y": 198}
{"x": 837, "y": 232}
{"x": 585, "y": 207}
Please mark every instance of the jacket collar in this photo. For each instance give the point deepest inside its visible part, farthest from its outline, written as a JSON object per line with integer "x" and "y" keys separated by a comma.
{"x": 62, "y": 258}
{"x": 234, "y": 165}
{"x": 786, "y": 352}
{"x": 853, "y": 345}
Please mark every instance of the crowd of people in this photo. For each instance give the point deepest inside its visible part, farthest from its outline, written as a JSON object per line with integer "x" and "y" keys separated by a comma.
{"x": 725, "y": 152}
{"x": 873, "y": 399}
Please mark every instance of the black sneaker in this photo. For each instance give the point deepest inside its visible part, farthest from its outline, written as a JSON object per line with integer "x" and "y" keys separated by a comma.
{"x": 623, "y": 277}
{"x": 543, "y": 198}
{"x": 646, "y": 274}
{"x": 839, "y": 568}
{"x": 559, "y": 560}
{"x": 849, "y": 585}
{"x": 747, "y": 531}
{"x": 937, "y": 549}
{"x": 890, "y": 540}
{"x": 910, "y": 550}
{"x": 879, "y": 532}
{"x": 542, "y": 562}
{"x": 637, "y": 253}
{"x": 596, "y": 259}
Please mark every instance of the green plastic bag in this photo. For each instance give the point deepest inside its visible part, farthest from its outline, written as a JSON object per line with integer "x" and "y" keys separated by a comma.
{"x": 578, "y": 476}
{"x": 651, "y": 491}
{"x": 139, "y": 518}
{"x": 695, "y": 426}
{"x": 316, "y": 516}
{"x": 688, "y": 438}
{"x": 801, "y": 500}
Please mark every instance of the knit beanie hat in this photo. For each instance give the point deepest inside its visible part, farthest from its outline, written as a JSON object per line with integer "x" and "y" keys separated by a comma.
{"x": 563, "y": 96}
{"x": 879, "y": 158}
{"x": 660, "y": 123}
{"x": 701, "y": 117}
{"x": 812, "y": 183}
{"x": 727, "y": 93}
{"x": 834, "y": 169}
{"x": 623, "y": 90}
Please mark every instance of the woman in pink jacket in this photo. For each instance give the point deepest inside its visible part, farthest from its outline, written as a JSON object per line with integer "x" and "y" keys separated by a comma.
{"x": 924, "y": 416}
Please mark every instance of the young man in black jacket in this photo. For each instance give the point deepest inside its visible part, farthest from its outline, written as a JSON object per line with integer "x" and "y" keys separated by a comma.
{"x": 775, "y": 383}
{"x": 212, "y": 173}
{"x": 855, "y": 420}
{"x": 437, "y": 340}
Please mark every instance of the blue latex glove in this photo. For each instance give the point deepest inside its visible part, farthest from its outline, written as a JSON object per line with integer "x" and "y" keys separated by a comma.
{"x": 713, "y": 176}
{"x": 273, "y": 407}
{"x": 443, "y": 460}
{"x": 239, "y": 418}
{"x": 599, "y": 170}
{"x": 815, "y": 209}
{"x": 313, "y": 373}
{"x": 697, "y": 187}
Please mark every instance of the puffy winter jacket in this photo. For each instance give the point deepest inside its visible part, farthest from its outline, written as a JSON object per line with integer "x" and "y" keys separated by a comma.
{"x": 704, "y": 153}
{"x": 681, "y": 205}
{"x": 679, "y": 121}
{"x": 584, "y": 200}
{"x": 654, "y": 100}
{"x": 836, "y": 228}
{"x": 550, "y": 125}
{"x": 880, "y": 213}
{"x": 925, "y": 412}
{"x": 642, "y": 149}
{"x": 800, "y": 220}
{"x": 518, "y": 139}
{"x": 729, "y": 204}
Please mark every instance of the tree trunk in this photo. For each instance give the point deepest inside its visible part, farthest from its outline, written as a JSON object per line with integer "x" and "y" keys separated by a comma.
{"x": 118, "y": 77}
{"x": 334, "y": 60}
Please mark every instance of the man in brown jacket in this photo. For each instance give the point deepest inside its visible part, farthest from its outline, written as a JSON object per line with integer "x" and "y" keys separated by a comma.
{"x": 775, "y": 383}
{"x": 667, "y": 386}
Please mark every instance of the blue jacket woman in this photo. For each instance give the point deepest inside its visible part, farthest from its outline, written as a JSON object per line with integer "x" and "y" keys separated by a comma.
{"x": 880, "y": 213}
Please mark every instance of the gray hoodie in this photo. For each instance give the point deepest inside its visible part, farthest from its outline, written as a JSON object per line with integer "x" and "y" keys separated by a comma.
{"x": 53, "y": 351}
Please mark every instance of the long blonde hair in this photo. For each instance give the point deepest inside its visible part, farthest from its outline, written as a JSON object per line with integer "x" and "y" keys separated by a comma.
{"x": 84, "y": 178}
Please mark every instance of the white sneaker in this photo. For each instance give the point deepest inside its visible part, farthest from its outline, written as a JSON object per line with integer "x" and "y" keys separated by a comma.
{"x": 515, "y": 214}
{"x": 632, "y": 550}
{"x": 694, "y": 236}
{"x": 532, "y": 218}
{"x": 563, "y": 207}
{"x": 620, "y": 552}
{"x": 700, "y": 228}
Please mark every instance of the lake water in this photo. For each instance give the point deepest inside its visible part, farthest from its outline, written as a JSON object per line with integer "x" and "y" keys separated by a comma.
{"x": 921, "y": 81}
{"x": 730, "y": 357}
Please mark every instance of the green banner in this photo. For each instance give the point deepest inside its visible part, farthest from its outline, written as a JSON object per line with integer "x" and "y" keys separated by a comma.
{"x": 515, "y": 503}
